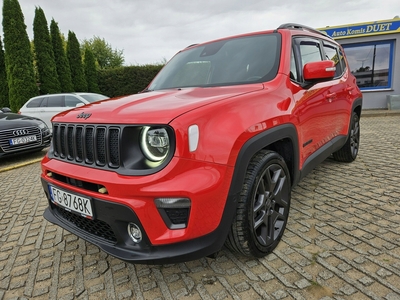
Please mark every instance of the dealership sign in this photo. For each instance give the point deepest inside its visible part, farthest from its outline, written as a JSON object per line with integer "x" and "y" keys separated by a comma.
{"x": 363, "y": 29}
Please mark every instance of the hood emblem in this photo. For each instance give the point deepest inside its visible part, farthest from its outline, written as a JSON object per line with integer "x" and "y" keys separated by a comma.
{"x": 20, "y": 132}
{"x": 83, "y": 115}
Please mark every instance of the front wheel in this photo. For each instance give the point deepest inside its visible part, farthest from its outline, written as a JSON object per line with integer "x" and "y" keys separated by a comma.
{"x": 349, "y": 151}
{"x": 263, "y": 207}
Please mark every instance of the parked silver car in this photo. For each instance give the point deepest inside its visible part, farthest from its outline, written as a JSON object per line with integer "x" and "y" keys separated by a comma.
{"x": 45, "y": 107}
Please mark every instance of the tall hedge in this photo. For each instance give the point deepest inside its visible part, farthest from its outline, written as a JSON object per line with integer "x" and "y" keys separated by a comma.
{"x": 126, "y": 80}
{"x": 60, "y": 57}
{"x": 91, "y": 72}
{"x": 18, "y": 56}
{"x": 45, "y": 62}
{"x": 75, "y": 63}
{"x": 3, "y": 80}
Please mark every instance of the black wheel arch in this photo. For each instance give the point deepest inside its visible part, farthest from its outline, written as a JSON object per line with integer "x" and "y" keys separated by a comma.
{"x": 281, "y": 139}
{"x": 357, "y": 106}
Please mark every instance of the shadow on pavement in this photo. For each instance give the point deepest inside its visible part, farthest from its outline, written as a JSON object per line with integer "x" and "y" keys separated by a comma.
{"x": 23, "y": 159}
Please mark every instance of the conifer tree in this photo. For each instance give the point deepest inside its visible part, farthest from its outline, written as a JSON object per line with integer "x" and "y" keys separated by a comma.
{"x": 3, "y": 80}
{"x": 45, "y": 62}
{"x": 75, "y": 63}
{"x": 91, "y": 72}
{"x": 62, "y": 64}
{"x": 18, "y": 56}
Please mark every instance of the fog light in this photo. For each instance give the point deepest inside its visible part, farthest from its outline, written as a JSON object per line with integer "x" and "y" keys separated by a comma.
{"x": 134, "y": 232}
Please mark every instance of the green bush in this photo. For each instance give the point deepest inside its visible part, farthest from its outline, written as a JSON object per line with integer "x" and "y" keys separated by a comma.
{"x": 126, "y": 80}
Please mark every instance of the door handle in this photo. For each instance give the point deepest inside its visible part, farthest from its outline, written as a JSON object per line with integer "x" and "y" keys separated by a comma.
{"x": 330, "y": 97}
{"x": 349, "y": 89}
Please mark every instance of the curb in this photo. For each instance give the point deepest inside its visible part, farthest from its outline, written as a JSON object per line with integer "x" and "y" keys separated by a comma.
{"x": 20, "y": 165}
{"x": 379, "y": 113}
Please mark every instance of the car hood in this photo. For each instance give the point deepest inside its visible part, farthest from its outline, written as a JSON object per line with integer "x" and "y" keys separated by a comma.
{"x": 11, "y": 121}
{"x": 155, "y": 107}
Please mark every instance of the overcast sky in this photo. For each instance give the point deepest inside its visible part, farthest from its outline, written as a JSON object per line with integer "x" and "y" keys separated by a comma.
{"x": 151, "y": 31}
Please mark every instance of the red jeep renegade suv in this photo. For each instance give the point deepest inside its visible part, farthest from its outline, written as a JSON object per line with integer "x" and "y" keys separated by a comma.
{"x": 208, "y": 153}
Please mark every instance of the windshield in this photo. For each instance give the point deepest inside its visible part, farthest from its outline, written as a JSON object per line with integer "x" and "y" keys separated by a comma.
{"x": 93, "y": 97}
{"x": 227, "y": 62}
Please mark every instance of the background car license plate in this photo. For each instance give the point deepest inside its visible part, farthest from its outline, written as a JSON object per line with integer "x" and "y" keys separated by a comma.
{"x": 23, "y": 140}
{"x": 71, "y": 202}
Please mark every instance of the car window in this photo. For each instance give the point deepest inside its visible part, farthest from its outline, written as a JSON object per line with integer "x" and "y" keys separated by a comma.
{"x": 293, "y": 67}
{"x": 71, "y": 101}
{"x": 93, "y": 97}
{"x": 342, "y": 60}
{"x": 305, "y": 50}
{"x": 44, "y": 102}
{"x": 331, "y": 53}
{"x": 225, "y": 62}
{"x": 56, "y": 101}
{"x": 310, "y": 51}
{"x": 35, "y": 102}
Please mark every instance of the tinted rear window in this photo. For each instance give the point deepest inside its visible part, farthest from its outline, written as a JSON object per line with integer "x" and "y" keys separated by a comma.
{"x": 56, "y": 101}
{"x": 35, "y": 102}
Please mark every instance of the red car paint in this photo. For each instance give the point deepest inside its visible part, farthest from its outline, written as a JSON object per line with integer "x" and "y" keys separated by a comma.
{"x": 228, "y": 116}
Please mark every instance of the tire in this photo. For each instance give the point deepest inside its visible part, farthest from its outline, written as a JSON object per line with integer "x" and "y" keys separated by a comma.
{"x": 263, "y": 207}
{"x": 349, "y": 151}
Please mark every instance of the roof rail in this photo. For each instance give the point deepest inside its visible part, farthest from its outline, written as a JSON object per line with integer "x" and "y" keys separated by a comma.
{"x": 302, "y": 27}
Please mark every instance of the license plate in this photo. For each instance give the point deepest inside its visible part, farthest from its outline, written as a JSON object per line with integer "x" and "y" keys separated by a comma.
{"x": 23, "y": 140}
{"x": 71, "y": 202}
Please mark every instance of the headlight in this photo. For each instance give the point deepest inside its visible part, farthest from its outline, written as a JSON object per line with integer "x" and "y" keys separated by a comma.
{"x": 42, "y": 125}
{"x": 154, "y": 142}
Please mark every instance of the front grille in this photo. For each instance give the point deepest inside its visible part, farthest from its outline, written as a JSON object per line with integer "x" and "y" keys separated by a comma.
{"x": 111, "y": 147}
{"x": 7, "y": 135}
{"x": 88, "y": 144}
{"x": 96, "y": 227}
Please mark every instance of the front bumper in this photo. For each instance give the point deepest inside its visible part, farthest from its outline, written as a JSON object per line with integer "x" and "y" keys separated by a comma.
{"x": 124, "y": 249}
{"x": 45, "y": 142}
{"x": 209, "y": 220}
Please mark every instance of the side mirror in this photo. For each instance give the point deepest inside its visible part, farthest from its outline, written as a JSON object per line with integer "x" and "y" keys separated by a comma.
{"x": 319, "y": 70}
{"x": 79, "y": 104}
{"x": 6, "y": 110}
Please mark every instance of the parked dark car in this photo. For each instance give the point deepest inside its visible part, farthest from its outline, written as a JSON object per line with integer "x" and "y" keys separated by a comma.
{"x": 19, "y": 133}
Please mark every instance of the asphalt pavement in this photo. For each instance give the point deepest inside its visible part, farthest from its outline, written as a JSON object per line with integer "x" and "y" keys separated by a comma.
{"x": 342, "y": 240}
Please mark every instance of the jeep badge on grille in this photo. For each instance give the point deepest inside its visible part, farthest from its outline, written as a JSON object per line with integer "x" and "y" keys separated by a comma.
{"x": 83, "y": 115}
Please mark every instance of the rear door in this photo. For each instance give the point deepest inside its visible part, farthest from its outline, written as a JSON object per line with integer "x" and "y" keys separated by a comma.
{"x": 33, "y": 107}
{"x": 51, "y": 106}
{"x": 340, "y": 90}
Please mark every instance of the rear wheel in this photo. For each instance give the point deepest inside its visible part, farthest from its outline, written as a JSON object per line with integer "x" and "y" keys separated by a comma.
{"x": 263, "y": 207}
{"x": 349, "y": 151}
